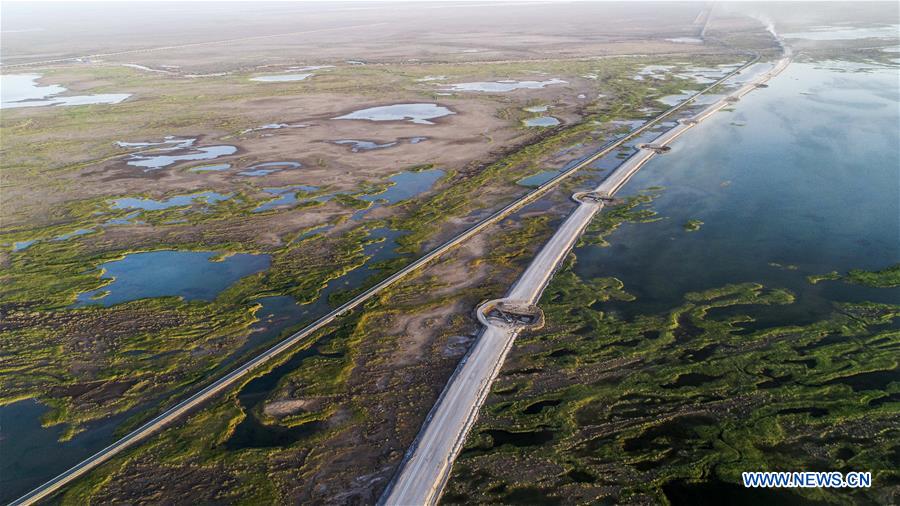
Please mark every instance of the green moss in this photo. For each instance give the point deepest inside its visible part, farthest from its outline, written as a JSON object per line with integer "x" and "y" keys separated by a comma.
{"x": 700, "y": 392}
{"x": 692, "y": 225}
{"x": 885, "y": 278}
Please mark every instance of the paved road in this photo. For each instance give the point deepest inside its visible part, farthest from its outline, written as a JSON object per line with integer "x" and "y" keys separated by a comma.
{"x": 427, "y": 464}
{"x": 177, "y": 411}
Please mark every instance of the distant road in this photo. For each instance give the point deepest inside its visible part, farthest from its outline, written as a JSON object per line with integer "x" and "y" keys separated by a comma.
{"x": 427, "y": 464}
{"x": 210, "y": 391}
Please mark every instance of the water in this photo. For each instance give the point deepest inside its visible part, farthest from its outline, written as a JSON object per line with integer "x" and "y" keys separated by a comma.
{"x": 21, "y": 245}
{"x": 286, "y": 197}
{"x": 810, "y": 181}
{"x": 275, "y": 126}
{"x": 216, "y": 167}
{"x": 32, "y": 453}
{"x": 541, "y": 121}
{"x": 281, "y": 78}
{"x": 686, "y": 40}
{"x": 415, "y": 113}
{"x": 359, "y": 145}
{"x": 266, "y": 168}
{"x": 537, "y": 108}
{"x": 504, "y": 86}
{"x": 276, "y": 315}
{"x": 653, "y": 71}
{"x": 153, "y": 160}
{"x": 538, "y": 179}
{"x": 406, "y": 185}
{"x": 22, "y": 90}
{"x": 193, "y": 275}
{"x": 169, "y": 142}
{"x": 147, "y": 204}
{"x": 76, "y": 233}
{"x": 847, "y": 33}
{"x": 253, "y": 433}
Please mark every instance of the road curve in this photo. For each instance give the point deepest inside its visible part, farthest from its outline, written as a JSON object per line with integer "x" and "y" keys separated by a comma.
{"x": 194, "y": 401}
{"x": 427, "y": 464}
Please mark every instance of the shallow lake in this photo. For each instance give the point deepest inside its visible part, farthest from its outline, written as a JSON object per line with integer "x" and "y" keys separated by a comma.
{"x": 149, "y": 204}
{"x": 286, "y": 196}
{"x": 22, "y": 90}
{"x": 406, "y": 185}
{"x": 503, "y": 86}
{"x": 281, "y": 78}
{"x": 154, "y": 160}
{"x": 415, "y": 113}
{"x": 541, "y": 121}
{"x": 784, "y": 188}
{"x": 360, "y": 145}
{"x": 194, "y": 275}
{"x": 538, "y": 179}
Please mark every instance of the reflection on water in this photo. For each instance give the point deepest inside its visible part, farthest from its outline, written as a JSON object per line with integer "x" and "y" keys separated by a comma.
{"x": 149, "y": 204}
{"x": 281, "y": 78}
{"x": 406, "y": 185}
{"x": 360, "y": 145}
{"x": 884, "y": 31}
{"x": 415, "y": 113}
{"x": 22, "y": 90}
{"x": 539, "y": 178}
{"x": 541, "y": 121}
{"x": 193, "y": 275}
{"x": 286, "y": 196}
{"x": 160, "y": 158}
{"x": 266, "y": 168}
{"x": 785, "y": 188}
{"x": 503, "y": 86}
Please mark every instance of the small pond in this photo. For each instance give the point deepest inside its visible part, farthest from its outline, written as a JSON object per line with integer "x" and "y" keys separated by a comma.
{"x": 406, "y": 185}
{"x": 503, "y": 86}
{"x": 286, "y": 196}
{"x": 359, "y": 145}
{"x": 148, "y": 204}
{"x": 415, "y": 113}
{"x": 22, "y": 90}
{"x": 281, "y": 78}
{"x": 541, "y": 121}
{"x": 194, "y": 275}
{"x": 152, "y": 160}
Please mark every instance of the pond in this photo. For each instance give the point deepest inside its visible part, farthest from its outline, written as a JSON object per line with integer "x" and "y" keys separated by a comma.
{"x": 153, "y": 160}
{"x": 274, "y": 126}
{"x": 406, "y": 185}
{"x": 216, "y": 167}
{"x": 149, "y": 204}
{"x": 266, "y": 168}
{"x": 281, "y": 78}
{"x": 538, "y": 179}
{"x": 22, "y": 90}
{"x": 286, "y": 196}
{"x": 193, "y": 275}
{"x": 541, "y": 121}
{"x": 360, "y": 145}
{"x": 415, "y": 113}
{"x": 503, "y": 86}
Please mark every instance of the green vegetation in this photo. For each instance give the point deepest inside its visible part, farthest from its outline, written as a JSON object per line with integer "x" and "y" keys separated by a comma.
{"x": 886, "y": 278}
{"x": 692, "y": 225}
{"x": 596, "y": 409}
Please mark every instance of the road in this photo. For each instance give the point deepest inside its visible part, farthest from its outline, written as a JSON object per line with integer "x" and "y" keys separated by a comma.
{"x": 196, "y": 400}
{"x": 427, "y": 464}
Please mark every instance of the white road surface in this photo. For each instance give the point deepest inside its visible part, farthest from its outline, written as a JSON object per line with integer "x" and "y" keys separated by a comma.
{"x": 427, "y": 464}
